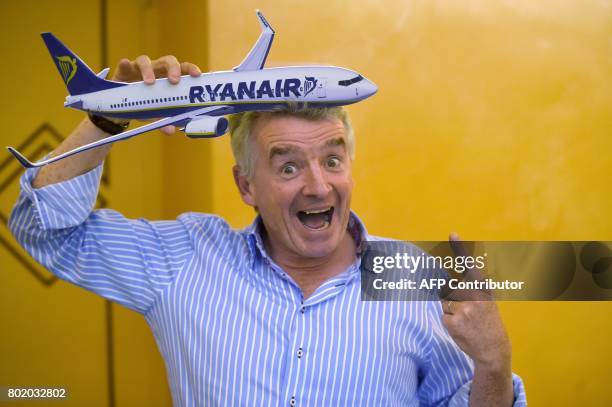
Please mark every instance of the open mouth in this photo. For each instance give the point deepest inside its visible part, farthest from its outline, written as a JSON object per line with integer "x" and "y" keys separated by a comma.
{"x": 316, "y": 219}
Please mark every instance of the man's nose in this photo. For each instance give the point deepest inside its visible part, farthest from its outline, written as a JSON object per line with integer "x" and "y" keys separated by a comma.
{"x": 316, "y": 183}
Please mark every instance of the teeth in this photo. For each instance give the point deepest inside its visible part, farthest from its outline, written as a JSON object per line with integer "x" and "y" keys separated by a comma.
{"x": 319, "y": 211}
{"x": 326, "y": 224}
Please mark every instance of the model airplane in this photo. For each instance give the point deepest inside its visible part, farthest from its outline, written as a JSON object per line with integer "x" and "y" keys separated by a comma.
{"x": 197, "y": 105}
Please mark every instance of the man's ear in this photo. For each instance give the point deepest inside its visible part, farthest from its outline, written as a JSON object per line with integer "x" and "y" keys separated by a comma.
{"x": 245, "y": 187}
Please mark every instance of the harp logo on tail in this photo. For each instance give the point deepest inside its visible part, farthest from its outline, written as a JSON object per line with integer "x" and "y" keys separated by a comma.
{"x": 68, "y": 67}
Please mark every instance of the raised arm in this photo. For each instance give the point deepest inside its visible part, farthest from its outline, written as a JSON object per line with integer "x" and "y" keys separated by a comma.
{"x": 125, "y": 260}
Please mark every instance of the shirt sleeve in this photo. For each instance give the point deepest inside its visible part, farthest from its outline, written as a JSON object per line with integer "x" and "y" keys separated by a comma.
{"x": 447, "y": 375}
{"x": 124, "y": 260}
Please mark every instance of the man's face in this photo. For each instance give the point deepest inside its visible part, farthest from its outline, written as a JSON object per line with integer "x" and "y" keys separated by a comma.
{"x": 301, "y": 184}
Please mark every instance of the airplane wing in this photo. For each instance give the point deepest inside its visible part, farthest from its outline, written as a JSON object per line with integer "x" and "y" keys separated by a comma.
{"x": 118, "y": 137}
{"x": 256, "y": 58}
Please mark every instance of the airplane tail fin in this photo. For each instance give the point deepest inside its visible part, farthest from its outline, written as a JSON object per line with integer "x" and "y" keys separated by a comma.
{"x": 77, "y": 76}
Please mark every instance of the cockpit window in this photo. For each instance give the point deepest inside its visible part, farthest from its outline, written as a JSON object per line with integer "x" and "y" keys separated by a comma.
{"x": 350, "y": 81}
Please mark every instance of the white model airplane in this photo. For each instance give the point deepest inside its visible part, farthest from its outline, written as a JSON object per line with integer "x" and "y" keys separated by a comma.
{"x": 197, "y": 105}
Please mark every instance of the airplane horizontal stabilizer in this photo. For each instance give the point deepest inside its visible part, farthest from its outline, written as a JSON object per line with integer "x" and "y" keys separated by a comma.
{"x": 103, "y": 73}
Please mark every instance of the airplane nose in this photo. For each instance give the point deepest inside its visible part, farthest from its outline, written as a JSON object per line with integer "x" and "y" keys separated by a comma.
{"x": 368, "y": 88}
{"x": 371, "y": 88}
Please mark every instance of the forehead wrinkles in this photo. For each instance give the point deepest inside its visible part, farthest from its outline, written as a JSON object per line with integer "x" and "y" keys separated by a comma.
{"x": 303, "y": 138}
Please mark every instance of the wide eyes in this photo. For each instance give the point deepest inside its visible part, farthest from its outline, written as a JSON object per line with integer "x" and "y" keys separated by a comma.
{"x": 291, "y": 168}
{"x": 288, "y": 169}
{"x": 333, "y": 162}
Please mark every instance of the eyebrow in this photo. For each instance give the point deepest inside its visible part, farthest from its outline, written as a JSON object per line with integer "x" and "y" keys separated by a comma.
{"x": 286, "y": 150}
{"x": 336, "y": 142}
{"x": 281, "y": 150}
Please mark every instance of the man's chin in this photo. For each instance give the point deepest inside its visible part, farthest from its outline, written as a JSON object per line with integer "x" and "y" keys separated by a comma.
{"x": 317, "y": 245}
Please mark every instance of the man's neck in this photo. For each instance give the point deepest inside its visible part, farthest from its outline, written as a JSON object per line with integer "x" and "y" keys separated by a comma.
{"x": 310, "y": 273}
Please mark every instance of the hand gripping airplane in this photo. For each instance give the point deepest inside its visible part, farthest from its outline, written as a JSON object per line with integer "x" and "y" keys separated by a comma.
{"x": 197, "y": 104}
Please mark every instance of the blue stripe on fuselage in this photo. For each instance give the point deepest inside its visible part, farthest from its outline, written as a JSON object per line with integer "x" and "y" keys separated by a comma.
{"x": 176, "y": 110}
{"x": 152, "y": 113}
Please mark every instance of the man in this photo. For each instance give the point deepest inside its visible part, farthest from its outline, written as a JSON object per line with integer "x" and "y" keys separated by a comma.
{"x": 269, "y": 315}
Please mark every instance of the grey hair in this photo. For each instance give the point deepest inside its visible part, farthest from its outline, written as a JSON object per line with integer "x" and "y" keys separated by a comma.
{"x": 241, "y": 126}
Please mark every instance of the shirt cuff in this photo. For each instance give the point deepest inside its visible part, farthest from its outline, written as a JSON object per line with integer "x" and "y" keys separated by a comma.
{"x": 462, "y": 397}
{"x": 65, "y": 204}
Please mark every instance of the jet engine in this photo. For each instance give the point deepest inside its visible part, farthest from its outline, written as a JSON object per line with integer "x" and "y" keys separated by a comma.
{"x": 206, "y": 127}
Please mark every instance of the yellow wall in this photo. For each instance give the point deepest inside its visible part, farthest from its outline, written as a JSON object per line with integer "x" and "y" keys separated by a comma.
{"x": 492, "y": 119}
{"x": 56, "y": 335}
{"x": 51, "y": 335}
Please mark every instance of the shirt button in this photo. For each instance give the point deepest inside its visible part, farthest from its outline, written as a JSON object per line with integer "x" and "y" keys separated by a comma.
{"x": 300, "y": 353}
{"x": 292, "y": 401}
{"x": 302, "y": 310}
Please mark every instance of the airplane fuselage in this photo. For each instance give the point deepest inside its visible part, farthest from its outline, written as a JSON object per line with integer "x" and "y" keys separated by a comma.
{"x": 265, "y": 89}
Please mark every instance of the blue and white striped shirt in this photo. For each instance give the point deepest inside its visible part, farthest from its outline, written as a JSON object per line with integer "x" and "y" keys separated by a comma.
{"x": 232, "y": 327}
